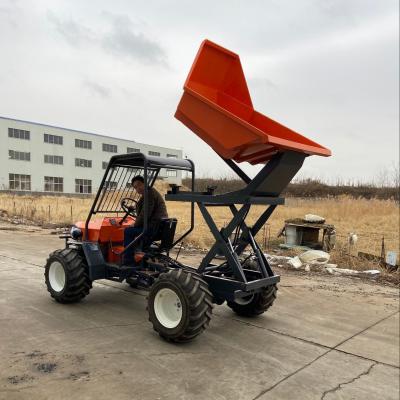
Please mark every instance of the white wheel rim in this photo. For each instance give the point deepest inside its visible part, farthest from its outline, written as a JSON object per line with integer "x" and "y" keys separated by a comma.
{"x": 57, "y": 276}
{"x": 245, "y": 300}
{"x": 168, "y": 308}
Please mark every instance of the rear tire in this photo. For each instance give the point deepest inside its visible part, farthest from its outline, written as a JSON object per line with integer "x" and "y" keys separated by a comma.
{"x": 179, "y": 305}
{"x": 255, "y": 304}
{"x": 66, "y": 276}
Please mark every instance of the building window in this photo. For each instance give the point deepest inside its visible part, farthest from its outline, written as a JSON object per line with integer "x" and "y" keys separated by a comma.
{"x": 53, "y": 139}
{"x": 83, "y": 186}
{"x": 19, "y": 134}
{"x": 110, "y": 185}
{"x": 105, "y": 164}
{"x": 19, "y": 182}
{"x": 80, "y": 162}
{"x": 111, "y": 148}
{"x": 83, "y": 144}
{"x": 19, "y": 155}
{"x": 49, "y": 159}
{"x": 132, "y": 150}
{"x": 53, "y": 184}
{"x": 172, "y": 156}
{"x": 154, "y": 153}
{"x": 171, "y": 173}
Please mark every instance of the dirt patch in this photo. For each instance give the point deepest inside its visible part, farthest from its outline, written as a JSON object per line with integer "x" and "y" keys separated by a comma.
{"x": 8, "y": 228}
{"x": 35, "y": 353}
{"x": 18, "y": 379}
{"x": 79, "y": 376}
{"x": 79, "y": 358}
{"x": 46, "y": 368}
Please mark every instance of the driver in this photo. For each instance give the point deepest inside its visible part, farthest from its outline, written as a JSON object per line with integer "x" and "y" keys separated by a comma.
{"x": 157, "y": 210}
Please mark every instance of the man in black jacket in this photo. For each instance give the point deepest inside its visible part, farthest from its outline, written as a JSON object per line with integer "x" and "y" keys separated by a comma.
{"x": 156, "y": 211}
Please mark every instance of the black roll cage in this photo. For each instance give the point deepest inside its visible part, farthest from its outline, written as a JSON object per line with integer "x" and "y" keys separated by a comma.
{"x": 123, "y": 168}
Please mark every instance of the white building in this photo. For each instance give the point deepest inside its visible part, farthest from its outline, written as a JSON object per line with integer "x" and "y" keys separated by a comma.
{"x": 44, "y": 158}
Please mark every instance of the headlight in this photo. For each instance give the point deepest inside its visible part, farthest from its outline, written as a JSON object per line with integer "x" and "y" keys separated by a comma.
{"x": 76, "y": 233}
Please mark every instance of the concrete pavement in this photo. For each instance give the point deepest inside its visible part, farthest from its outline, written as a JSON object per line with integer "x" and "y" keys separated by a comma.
{"x": 324, "y": 338}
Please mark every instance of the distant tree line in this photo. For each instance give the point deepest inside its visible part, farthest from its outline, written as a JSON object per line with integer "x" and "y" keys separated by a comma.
{"x": 306, "y": 188}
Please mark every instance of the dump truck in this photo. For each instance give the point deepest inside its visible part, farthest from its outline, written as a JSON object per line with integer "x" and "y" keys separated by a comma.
{"x": 216, "y": 105}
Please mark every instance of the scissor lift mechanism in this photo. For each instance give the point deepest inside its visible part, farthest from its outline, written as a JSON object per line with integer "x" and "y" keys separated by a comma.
{"x": 264, "y": 190}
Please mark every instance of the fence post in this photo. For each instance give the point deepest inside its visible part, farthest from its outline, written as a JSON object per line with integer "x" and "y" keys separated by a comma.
{"x": 264, "y": 238}
{"x": 383, "y": 250}
{"x": 49, "y": 213}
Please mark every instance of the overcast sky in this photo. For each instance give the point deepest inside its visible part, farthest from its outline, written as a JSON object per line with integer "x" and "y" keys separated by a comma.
{"x": 328, "y": 69}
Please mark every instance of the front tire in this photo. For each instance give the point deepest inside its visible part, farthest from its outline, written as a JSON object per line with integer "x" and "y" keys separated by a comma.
{"x": 66, "y": 276}
{"x": 179, "y": 305}
{"x": 255, "y": 304}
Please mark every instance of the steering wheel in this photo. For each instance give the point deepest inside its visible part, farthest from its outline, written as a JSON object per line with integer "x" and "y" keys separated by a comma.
{"x": 130, "y": 209}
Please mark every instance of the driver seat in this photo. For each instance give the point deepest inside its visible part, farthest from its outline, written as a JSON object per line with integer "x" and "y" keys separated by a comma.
{"x": 165, "y": 233}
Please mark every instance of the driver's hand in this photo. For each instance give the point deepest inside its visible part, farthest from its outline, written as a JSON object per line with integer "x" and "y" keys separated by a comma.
{"x": 131, "y": 208}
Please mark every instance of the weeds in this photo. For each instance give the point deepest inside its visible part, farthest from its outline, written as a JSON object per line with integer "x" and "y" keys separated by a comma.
{"x": 369, "y": 219}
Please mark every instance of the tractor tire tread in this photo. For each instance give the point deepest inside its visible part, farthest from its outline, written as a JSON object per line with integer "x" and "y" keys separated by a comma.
{"x": 261, "y": 302}
{"x": 78, "y": 284}
{"x": 199, "y": 302}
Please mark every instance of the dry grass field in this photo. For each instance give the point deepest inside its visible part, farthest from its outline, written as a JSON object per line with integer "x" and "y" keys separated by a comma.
{"x": 369, "y": 219}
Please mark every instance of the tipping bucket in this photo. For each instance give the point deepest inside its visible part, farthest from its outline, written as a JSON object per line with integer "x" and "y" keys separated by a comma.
{"x": 217, "y": 106}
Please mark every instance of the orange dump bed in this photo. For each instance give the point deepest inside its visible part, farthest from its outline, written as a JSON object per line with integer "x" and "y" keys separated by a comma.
{"x": 216, "y": 105}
